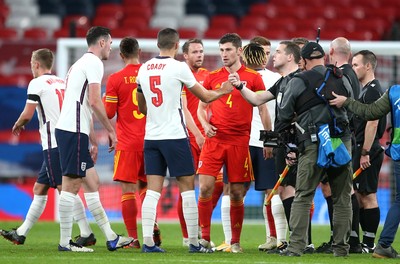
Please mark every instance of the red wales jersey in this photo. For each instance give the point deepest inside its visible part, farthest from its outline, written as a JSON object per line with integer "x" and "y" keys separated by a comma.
{"x": 231, "y": 114}
{"x": 121, "y": 99}
{"x": 193, "y": 101}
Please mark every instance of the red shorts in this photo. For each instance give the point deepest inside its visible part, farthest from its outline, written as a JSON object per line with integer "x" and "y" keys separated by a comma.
{"x": 129, "y": 166}
{"x": 220, "y": 177}
{"x": 236, "y": 159}
{"x": 195, "y": 152}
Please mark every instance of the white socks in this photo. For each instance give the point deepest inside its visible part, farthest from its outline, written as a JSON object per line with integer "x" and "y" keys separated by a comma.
{"x": 226, "y": 218}
{"x": 278, "y": 213}
{"x": 267, "y": 230}
{"x": 191, "y": 214}
{"x": 66, "y": 207}
{"x": 80, "y": 218}
{"x": 97, "y": 211}
{"x": 149, "y": 207}
{"x": 35, "y": 211}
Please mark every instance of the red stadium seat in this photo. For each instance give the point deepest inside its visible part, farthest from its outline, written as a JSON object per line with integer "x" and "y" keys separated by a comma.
{"x": 109, "y": 22}
{"x": 300, "y": 12}
{"x": 277, "y": 34}
{"x": 247, "y": 33}
{"x": 36, "y": 33}
{"x": 137, "y": 23}
{"x": 309, "y": 34}
{"x": 137, "y": 12}
{"x": 65, "y": 33}
{"x": 187, "y": 33}
{"x": 362, "y": 35}
{"x": 282, "y": 23}
{"x": 80, "y": 21}
{"x": 265, "y": 10}
{"x": 9, "y": 34}
{"x": 228, "y": 22}
{"x": 373, "y": 24}
{"x": 389, "y": 14}
{"x": 331, "y": 34}
{"x": 137, "y": 4}
{"x": 311, "y": 24}
{"x": 124, "y": 32}
{"x": 255, "y": 22}
{"x": 4, "y": 11}
{"x": 148, "y": 33}
{"x": 357, "y": 12}
{"x": 214, "y": 33}
{"x": 110, "y": 10}
{"x": 344, "y": 24}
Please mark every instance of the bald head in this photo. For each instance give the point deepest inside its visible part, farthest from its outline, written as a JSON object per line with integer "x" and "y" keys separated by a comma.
{"x": 339, "y": 51}
{"x": 341, "y": 45}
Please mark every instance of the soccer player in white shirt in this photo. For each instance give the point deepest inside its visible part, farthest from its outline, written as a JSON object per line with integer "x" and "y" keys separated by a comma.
{"x": 45, "y": 94}
{"x": 74, "y": 130}
{"x": 160, "y": 81}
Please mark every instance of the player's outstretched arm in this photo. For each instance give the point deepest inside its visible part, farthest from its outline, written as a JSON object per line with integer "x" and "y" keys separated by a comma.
{"x": 253, "y": 98}
{"x": 207, "y": 96}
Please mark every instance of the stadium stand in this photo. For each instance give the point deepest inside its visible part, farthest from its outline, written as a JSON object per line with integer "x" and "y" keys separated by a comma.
{"x": 46, "y": 20}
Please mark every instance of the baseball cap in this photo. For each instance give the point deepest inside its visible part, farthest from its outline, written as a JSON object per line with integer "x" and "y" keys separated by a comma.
{"x": 312, "y": 50}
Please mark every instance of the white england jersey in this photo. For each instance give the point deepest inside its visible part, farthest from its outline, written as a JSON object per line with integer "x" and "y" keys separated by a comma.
{"x": 47, "y": 92}
{"x": 76, "y": 113}
{"x": 161, "y": 80}
{"x": 269, "y": 78}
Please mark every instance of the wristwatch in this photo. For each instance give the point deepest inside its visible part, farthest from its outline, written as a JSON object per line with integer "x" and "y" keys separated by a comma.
{"x": 364, "y": 152}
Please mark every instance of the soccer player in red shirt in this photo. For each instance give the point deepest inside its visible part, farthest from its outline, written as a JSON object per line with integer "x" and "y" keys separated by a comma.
{"x": 193, "y": 53}
{"x": 227, "y": 139}
{"x": 128, "y": 159}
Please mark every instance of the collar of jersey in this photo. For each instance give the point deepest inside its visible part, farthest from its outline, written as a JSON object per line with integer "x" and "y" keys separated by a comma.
{"x": 163, "y": 57}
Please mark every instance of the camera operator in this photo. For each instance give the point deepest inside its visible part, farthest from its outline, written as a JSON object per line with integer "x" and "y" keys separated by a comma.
{"x": 313, "y": 112}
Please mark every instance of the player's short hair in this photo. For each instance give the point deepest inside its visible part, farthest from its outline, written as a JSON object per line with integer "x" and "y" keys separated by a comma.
{"x": 253, "y": 54}
{"x": 263, "y": 41}
{"x": 185, "y": 46}
{"x": 233, "y": 38}
{"x": 368, "y": 57}
{"x": 166, "y": 38}
{"x": 45, "y": 57}
{"x": 95, "y": 33}
{"x": 292, "y": 48}
{"x": 129, "y": 47}
{"x": 300, "y": 41}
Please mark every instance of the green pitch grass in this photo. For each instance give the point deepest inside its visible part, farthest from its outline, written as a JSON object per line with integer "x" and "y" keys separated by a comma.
{"x": 41, "y": 248}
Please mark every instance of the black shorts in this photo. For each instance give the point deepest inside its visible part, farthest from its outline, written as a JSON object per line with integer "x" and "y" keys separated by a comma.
{"x": 74, "y": 153}
{"x": 50, "y": 174}
{"x": 280, "y": 164}
{"x": 175, "y": 154}
{"x": 265, "y": 176}
{"x": 367, "y": 181}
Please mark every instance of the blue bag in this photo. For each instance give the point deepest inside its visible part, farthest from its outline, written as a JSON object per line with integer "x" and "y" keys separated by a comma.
{"x": 331, "y": 151}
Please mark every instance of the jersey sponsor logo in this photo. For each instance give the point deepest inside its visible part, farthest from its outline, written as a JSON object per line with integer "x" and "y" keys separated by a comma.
{"x": 83, "y": 166}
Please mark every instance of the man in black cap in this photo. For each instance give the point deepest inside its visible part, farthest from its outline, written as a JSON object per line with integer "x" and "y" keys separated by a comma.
{"x": 305, "y": 100}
